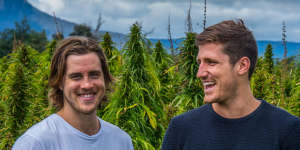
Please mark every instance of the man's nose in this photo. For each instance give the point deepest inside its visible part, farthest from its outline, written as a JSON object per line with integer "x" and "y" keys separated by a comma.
{"x": 86, "y": 83}
{"x": 202, "y": 71}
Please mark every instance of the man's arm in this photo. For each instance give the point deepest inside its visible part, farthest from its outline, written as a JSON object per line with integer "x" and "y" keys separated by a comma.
{"x": 129, "y": 144}
{"x": 292, "y": 141}
{"x": 27, "y": 142}
{"x": 170, "y": 140}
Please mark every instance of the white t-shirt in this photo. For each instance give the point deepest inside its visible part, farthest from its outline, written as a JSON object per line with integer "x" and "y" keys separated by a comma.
{"x": 54, "y": 133}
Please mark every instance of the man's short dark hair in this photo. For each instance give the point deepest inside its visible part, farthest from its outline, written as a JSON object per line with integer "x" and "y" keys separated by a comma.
{"x": 74, "y": 45}
{"x": 237, "y": 40}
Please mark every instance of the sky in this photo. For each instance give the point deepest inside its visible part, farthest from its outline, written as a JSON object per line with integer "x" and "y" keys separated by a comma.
{"x": 263, "y": 17}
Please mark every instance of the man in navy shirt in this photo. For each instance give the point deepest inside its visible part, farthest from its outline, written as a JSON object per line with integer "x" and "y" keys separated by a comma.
{"x": 232, "y": 119}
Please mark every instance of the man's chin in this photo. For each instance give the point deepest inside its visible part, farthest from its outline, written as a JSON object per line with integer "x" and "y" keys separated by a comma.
{"x": 209, "y": 100}
{"x": 89, "y": 111}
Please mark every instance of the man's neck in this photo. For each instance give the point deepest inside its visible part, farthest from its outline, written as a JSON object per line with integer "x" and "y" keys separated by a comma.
{"x": 86, "y": 123}
{"x": 241, "y": 105}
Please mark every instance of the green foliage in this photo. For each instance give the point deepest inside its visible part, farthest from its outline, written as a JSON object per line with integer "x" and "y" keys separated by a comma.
{"x": 3, "y": 68}
{"x": 22, "y": 34}
{"x": 268, "y": 58}
{"x": 168, "y": 77}
{"x": 162, "y": 63}
{"x": 113, "y": 56}
{"x": 107, "y": 45}
{"x": 293, "y": 101}
{"x": 38, "y": 40}
{"x": 16, "y": 93}
{"x": 191, "y": 95}
{"x": 271, "y": 84}
{"x": 6, "y": 41}
{"x": 38, "y": 106}
{"x": 259, "y": 80}
{"x": 82, "y": 29}
{"x": 135, "y": 105}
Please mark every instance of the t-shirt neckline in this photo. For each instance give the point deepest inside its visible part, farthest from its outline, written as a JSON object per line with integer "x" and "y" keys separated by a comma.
{"x": 238, "y": 120}
{"x": 78, "y": 132}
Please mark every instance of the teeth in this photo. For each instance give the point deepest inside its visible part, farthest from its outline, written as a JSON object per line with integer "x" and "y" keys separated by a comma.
{"x": 208, "y": 83}
{"x": 87, "y": 95}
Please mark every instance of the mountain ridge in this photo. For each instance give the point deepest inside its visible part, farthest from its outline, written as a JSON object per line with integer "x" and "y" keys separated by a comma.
{"x": 12, "y": 11}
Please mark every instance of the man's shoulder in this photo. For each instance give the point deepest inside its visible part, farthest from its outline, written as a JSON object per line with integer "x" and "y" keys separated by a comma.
{"x": 113, "y": 130}
{"x": 280, "y": 114}
{"x": 113, "y": 137}
{"x": 286, "y": 124}
{"x": 33, "y": 138}
{"x": 42, "y": 128}
{"x": 279, "y": 119}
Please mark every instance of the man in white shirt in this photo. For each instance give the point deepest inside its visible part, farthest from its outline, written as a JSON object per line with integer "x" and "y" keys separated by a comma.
{"x": 78, "y": 79}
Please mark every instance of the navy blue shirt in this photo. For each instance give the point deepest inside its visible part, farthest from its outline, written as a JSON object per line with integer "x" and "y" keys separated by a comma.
{"x": 267, "y": 128}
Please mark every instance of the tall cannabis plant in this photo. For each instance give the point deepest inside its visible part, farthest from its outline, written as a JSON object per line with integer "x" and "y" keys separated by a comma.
{"x": 293, "y": 98}
{"x": 259, "y": 84}
{"x": 15, "y": 92}
{"x": 168, "y": 78}
{"x": 3, "y": 69}
{"x": 162, "y": 62}
{"x": 38, "y": 106}
{"x": 3, "y": 105}
{"x": 135, "y": 105}
{"x": 191, "y": 95}
{"x": 268, "y": 58}
{"x": 112, "y": 54}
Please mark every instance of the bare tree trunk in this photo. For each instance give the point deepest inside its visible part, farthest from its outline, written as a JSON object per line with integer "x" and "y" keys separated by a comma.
{"x": 58, "y": 33}
{"x": 204, "y": 18}
{"x": 284, "y": 63}
{"x": 100, "y": 22}
{"x": 170, "y": 37}
{"x": 189, "y": 19}
{"x": 284, "y": 39}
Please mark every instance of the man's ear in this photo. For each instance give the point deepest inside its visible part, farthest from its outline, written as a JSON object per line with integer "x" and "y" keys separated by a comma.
{"x": 243, "y": 66}
{"x": 61, "y": 84}
{"x": 61, "y": 87}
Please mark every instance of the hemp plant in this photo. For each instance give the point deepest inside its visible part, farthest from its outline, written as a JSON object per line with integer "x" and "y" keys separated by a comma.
{"x": 113, "y": 56}
{"x": 135, "y": 105}
{"x": 191, "y": 95}
{"x": 39, "y": 106}
{"x": 16, "y": 93}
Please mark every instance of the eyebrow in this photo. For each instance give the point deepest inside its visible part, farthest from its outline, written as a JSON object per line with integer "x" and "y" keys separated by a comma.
{"x": 90, "y": 72}
{"x": 210, "y": 59}
{"x": 207, "y": 59}
{"x": 98, "y": 72}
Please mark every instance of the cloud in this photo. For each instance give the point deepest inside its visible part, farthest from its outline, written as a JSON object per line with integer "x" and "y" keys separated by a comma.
{"x": 263, "y": 17}
{"x": 49, "y": 6}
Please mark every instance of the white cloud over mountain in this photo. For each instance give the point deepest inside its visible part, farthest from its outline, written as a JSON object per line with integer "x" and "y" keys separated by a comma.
{"x": 263, "y": 17}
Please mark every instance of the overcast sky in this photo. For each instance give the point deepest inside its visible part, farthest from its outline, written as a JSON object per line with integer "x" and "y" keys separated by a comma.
{"x": 263, "y": 17}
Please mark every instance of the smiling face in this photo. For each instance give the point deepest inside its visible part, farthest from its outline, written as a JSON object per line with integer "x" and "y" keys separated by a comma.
{"x": 216, "y": 73}
{"x": 83, "y": 84}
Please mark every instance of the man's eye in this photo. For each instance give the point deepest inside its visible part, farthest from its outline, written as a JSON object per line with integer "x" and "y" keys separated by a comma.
{"x": 75, "y": 77}
{"x": 212, "y": 63}
{"x": 95, "y": 75}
